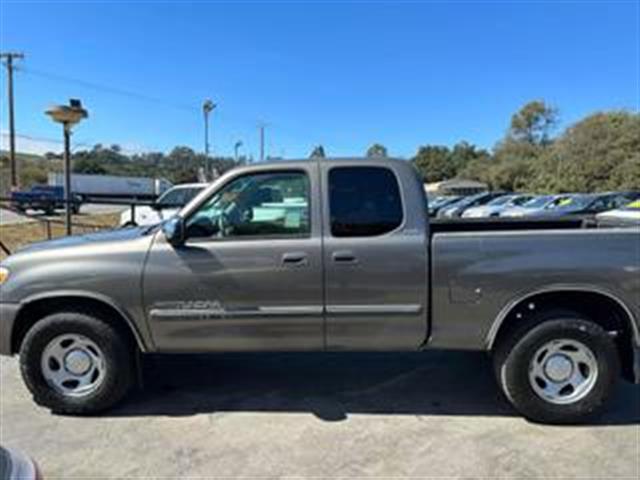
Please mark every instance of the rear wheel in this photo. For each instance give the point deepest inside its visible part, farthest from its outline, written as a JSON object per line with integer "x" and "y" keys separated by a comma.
{"x": 76, "y": 363}
{"x": 558, "y": 369}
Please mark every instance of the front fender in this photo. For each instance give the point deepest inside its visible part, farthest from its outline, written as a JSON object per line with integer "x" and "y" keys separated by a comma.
{"x": 139, "y": 331}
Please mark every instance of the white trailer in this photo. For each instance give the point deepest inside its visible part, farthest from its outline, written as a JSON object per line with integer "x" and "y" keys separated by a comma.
{"x": 111, "y": 186}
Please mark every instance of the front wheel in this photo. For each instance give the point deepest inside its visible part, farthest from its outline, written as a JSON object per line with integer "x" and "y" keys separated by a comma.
{"x": 76, "y": 363}
{"x": 562, "y": 370}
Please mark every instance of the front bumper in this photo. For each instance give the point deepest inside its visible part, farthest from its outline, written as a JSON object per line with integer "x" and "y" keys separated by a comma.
{"x": 8, "y": 314}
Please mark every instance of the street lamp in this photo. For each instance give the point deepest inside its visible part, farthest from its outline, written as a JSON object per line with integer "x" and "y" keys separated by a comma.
{"x": 207, "y": 108}
{"x": 237, "y": 145}
{"x": 68, "y": 116}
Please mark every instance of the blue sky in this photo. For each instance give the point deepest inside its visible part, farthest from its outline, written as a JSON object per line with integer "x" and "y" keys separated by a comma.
{"x": 343, "y": 75}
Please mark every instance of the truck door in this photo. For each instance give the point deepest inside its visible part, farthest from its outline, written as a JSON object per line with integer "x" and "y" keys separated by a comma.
{"x": 375, "y": 258}
{"x": 249, "y": 275}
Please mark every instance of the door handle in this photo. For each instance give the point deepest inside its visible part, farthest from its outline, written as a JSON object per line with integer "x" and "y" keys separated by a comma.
{"x": 295, "y": 259}
{"x": 344, "y": 257}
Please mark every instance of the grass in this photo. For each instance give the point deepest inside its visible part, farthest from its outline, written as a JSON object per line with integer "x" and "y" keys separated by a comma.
{"x": 17, "y": 235}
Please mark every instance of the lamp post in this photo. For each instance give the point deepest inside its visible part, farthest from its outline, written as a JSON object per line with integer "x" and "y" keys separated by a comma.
{"x": 236, "y": 147}
{"x": 207, "y": 108}
{"x": 68, "y": 116}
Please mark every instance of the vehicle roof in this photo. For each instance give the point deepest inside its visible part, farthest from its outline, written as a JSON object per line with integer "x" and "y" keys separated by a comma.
{"x": 332, "y": 160}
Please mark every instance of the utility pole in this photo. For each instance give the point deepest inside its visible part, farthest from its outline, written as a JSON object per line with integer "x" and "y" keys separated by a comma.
{"x": 261, "y": 127}
{"x": 207, "y": 108}
{"x": 12, "y": 131}
{"x": 236, "y": 146}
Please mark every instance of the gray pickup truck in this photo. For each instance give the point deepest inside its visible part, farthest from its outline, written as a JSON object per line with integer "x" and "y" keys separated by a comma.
{"x": 330, "y": 255}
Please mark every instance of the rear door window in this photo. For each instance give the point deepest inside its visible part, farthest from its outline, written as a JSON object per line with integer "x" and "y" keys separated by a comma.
{"x": 364, "y": 201}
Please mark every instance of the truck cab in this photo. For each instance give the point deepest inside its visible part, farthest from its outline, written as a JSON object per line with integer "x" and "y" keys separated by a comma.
{"x": 285, "y": 276}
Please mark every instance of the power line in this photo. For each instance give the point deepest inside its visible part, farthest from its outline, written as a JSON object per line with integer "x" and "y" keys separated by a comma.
{"x": 139, "y": 96}
{"x": 109, "y": 89}
{"x": 75, "y": 144}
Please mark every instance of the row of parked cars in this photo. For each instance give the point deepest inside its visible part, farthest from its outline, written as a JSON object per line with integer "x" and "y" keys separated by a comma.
{"x": 611, "y": 205}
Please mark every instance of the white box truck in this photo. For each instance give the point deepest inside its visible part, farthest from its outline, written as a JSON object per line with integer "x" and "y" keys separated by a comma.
{"x": 87, "y": 186}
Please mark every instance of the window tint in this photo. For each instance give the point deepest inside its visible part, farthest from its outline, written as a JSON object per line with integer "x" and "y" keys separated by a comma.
{"x": 260, "y": 205}
{"x": 363, "y": 201}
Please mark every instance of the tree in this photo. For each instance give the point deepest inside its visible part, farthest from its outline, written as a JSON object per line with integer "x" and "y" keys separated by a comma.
{"x": 598, "y": 153}
{"x": 434, "y": 163}
{"x": 377, "y": 151}
{"x": 437, "y": 163}
{"x": 533, "y": 123}
{"x": 464, "y": 153}
{"x": 318, "y": 152}
{"x": 88, "y": 165}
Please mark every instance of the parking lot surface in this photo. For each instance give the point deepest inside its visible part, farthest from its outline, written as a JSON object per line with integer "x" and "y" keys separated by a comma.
{"x": 432, "y": 414}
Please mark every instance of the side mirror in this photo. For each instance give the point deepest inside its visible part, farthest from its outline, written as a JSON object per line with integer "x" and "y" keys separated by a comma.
{"x": 173, "y": 230}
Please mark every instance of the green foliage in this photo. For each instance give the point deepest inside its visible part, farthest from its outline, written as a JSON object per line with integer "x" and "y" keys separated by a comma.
{"x": 533, "y": 123}
{"x": 377, "y": 151}
{"x": 180, "y": 165}
{"x": 32, "y": 169}
{"x": 433, "y": 161}
{"x": 437, "y": 163}
{"x": 599, "y": 153}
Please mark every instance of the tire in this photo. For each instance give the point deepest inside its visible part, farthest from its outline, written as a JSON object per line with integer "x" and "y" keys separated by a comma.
{"x": 110, "y": 374}
{"x": 525, "y": 371}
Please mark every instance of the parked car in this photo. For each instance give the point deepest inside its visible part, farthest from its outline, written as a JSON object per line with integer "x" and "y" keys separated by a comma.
{"x": 496, "y": 206}
{"x": 628, "y": 215}
{"x": 166, "y": 206}
{"x": 457, "y": 208}
{"x": 43, "y": 197}
{"x": 326, "y": 256}
{"x": 534, "y": 206}
{"x": 584, "y": 204}
{"x": 438, "y": 203}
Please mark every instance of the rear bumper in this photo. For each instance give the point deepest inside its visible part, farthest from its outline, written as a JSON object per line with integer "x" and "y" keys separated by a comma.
{"x": 8, "y": 314}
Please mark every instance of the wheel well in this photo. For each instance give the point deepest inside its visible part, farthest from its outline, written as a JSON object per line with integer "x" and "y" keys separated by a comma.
{"x": 34, "y": 311}
{"x": 597, "y": 307}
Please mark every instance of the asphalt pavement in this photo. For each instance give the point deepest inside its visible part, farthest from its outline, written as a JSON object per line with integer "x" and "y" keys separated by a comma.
{"x": 434, "y": 414}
